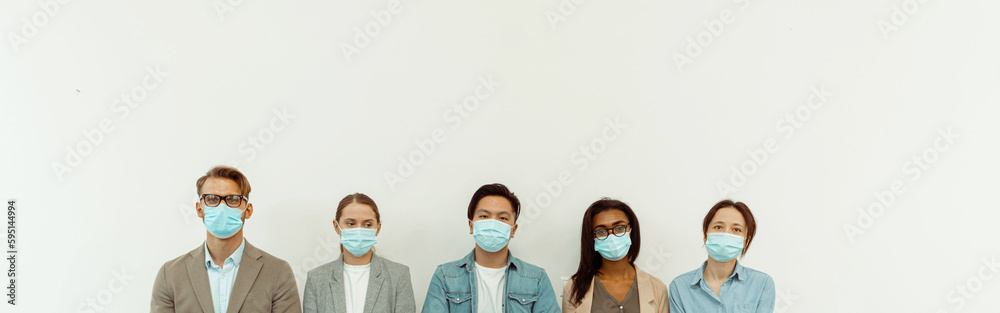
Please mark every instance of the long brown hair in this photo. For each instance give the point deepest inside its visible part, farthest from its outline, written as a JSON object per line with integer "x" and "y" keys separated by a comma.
{"x": 590, "y": 259}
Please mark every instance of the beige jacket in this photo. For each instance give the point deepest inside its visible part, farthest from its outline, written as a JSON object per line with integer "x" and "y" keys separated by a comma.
{"x": 652, "y": 295}
{"x": 264, "y": 283}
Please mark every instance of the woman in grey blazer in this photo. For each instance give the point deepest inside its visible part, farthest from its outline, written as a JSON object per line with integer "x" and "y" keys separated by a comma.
{"x": 358, "y": 281}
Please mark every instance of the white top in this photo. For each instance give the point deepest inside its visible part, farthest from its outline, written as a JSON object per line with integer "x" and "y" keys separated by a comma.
{"x": 490, "y": 282}
{"x": 356, "y": 286}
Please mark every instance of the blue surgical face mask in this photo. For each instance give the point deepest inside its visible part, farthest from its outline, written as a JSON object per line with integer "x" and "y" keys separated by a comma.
{"x": 491, "y": 235}
{"x": 358, "y": 241}
{"x": 724, "y": 247}
{"x": 614, "y": 248}
{"x": 223, "y": 221}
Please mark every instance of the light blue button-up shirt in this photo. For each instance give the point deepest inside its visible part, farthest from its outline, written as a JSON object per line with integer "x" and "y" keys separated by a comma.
{"x": 745, "y": 291}
{"x": 222, "y": 278}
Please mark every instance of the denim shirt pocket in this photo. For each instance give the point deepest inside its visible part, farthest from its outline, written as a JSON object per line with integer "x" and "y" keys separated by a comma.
{"x": 459, "y": 301}
{"x": 521, "y": 302}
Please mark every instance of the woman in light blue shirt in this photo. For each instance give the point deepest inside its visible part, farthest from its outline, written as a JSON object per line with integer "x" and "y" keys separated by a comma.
{"x": 721, "y": 284}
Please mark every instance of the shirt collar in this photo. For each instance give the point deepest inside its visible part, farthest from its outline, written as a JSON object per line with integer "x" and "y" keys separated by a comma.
{"x": 237, "y": 255}
{"x": 470, "y": 261}
{"x": 738, "y": 273}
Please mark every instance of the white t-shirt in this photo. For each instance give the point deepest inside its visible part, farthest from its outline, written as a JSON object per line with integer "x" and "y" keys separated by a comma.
{"x": 356, "y": 286}
{"x": 490, "y": 282}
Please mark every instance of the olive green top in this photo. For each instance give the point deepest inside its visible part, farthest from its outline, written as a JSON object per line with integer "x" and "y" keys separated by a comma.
{"x": 605, "y": 303}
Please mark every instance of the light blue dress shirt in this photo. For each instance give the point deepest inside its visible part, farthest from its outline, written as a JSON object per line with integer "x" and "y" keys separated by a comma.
{"x": 222, "y": 278}
{"x": 745, "y": 291}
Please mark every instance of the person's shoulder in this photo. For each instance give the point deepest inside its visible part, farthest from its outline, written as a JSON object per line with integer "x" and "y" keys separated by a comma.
{"x": 755, "y": 275}
{"x": 653, "y": 279}
{"x": 324, "y": 271}
{"x": 527, "y": 269}
{"x": 453, "y": 268}
{"x": 393, "y": 266}
{"x": 452, "y": 264}
{"x": 264, "y": 257}
{"x": 568, "y": 286}
{"x": 179, "y": 263}
{"x": 685, "y": 278}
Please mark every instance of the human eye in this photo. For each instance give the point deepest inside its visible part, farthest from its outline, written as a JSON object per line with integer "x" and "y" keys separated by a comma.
{"x": 212, "y": 200}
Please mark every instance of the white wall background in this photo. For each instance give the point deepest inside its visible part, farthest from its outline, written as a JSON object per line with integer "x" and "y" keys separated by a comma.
{"x": 896, "y": 75}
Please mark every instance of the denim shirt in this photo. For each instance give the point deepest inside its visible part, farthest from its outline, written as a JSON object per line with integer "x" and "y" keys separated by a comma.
{"x": 745, "y": 291}
{"x": 453, "y": 288}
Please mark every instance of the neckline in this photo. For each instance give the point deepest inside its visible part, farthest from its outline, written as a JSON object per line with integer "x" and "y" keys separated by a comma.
{"x": 634, "y": 287}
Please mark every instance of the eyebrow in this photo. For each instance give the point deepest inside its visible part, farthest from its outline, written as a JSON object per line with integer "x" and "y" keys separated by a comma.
{"x": 612, "y": 224}
{"x": 353, "y": 220}
{"x": 487, "y": 212}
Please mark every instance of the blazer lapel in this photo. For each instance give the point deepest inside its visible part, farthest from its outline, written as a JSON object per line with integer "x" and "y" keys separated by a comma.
{"x": 647, "y": 300}
{"x": 337, "y": 286}
{"x": 198, "y": 274}
{"x": 375, "y": 281}
{"x": 245, "y": 276}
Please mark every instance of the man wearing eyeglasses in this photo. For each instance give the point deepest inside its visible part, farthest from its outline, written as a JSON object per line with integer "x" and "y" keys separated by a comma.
{"x": 226, "y": 273}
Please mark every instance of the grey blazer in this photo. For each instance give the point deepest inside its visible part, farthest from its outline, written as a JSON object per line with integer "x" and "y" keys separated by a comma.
{"x": 389, "y": 288}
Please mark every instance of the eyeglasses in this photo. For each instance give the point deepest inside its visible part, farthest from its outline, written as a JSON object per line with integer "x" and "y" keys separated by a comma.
{"x": 231, "y": 200}
{"x": 617, "y": 231}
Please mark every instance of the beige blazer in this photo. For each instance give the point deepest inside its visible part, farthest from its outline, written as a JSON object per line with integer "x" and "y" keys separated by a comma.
{"x": 264, "y": 283}
{"x": 652, "y": 295}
